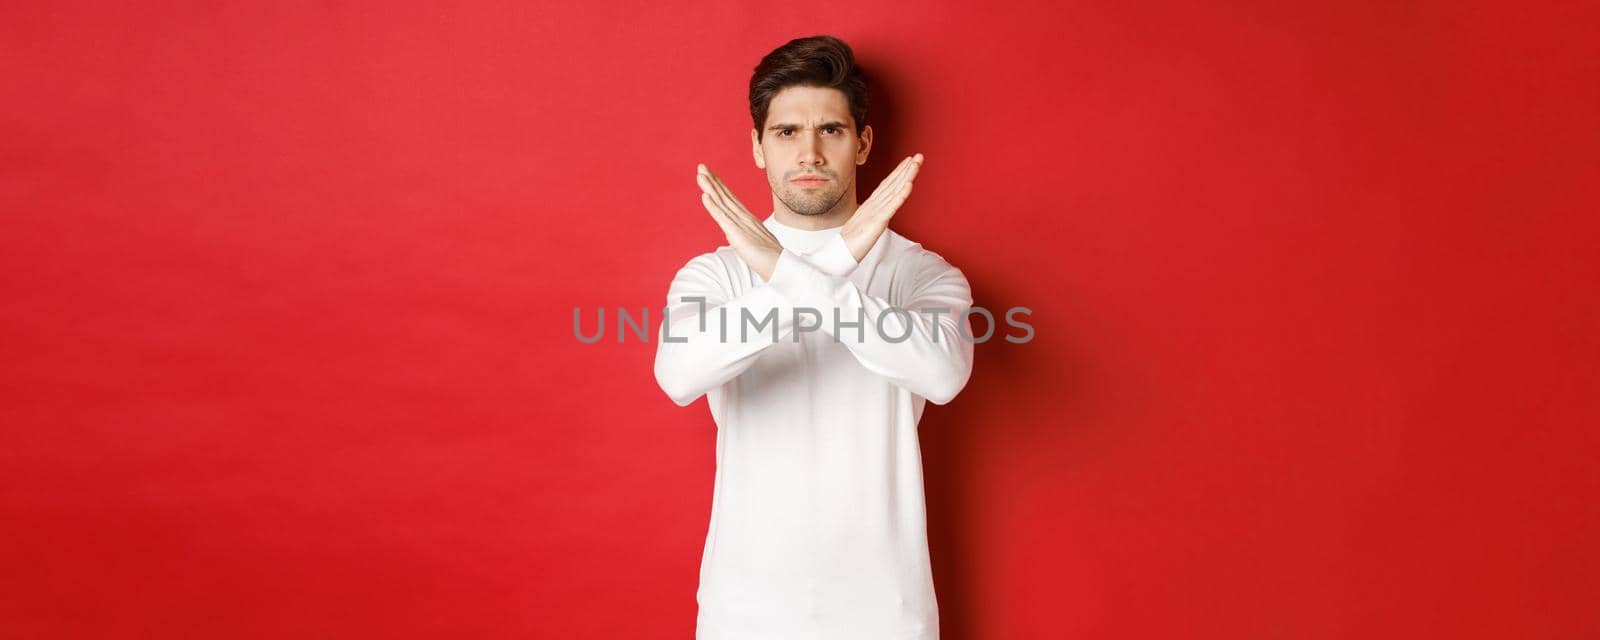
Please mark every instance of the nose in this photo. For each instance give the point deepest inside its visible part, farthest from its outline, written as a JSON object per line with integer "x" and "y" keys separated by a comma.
{"x": 811, "y": 151}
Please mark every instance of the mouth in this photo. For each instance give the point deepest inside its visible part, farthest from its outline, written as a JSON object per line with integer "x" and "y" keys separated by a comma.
{"x": 810, "y": 181}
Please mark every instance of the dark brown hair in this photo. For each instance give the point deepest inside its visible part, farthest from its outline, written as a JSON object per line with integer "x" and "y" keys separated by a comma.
{"x": 817, "y": 61}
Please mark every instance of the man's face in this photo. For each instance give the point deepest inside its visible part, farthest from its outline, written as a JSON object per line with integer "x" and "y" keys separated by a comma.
{"x": 810, "y": 149}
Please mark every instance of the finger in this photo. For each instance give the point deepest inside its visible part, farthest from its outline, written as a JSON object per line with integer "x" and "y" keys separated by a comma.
{"x": 708, "y": 183}
{"x": 907, "y": 172}
{"x": 707, "y": 188}
{"x": 899, "y": 170}
{"x": 893, "y": 200}
{"x": 882, "y": 188}
{"x": 892, "y": 182}
{"x": 724, "y": 196}
{"x": 725, "y": 220}
{"x": 732, "y": 221}
{"x": 891, "y": 204}
{"x": 727, "y": 194}
{"x": 741, "y": 217}
{"x": 899, "y": 199}
{"x": 740, "y": 232}
{"x": 715, "y": 210}
{"x": 739, "y": 221}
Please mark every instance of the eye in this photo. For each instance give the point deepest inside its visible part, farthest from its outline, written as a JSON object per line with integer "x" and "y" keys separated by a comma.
{"x": 830, "y": 128}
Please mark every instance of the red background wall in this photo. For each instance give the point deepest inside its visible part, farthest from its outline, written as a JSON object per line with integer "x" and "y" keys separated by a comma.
{"x": 289, "y": 288}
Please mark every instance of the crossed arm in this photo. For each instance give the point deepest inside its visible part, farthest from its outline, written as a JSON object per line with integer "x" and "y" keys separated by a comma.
{"x": 713, "y": 337}
{"x": 708, "y": 336}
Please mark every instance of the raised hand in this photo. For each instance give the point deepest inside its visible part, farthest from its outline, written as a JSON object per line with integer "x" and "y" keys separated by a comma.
{"x": 756, "y": 246}
{"x": 861, "y": 231}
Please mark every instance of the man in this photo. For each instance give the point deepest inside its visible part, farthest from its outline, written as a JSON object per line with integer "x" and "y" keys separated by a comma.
{"x": 817, "y": 336}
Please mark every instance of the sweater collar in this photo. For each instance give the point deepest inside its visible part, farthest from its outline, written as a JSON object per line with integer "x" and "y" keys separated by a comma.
{"x": 802, "y": 240}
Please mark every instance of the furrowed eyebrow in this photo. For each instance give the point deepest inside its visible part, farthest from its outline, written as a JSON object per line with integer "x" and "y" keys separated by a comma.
{"x": 786, "y": 125}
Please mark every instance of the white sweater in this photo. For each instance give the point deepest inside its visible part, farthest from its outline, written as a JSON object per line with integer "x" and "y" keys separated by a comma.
{"x": 818, "y": 526}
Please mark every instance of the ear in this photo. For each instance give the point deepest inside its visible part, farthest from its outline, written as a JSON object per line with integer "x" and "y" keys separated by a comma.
{"x": 755, "y": 151}
{"x": 866, "y": 145}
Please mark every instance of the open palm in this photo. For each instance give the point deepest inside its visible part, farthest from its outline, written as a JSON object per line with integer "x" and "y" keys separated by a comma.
{"x": 861, "y": 231}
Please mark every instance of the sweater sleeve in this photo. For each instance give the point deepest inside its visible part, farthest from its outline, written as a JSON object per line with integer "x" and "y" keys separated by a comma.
{"x": 834, "y": 258}
{"x": 920, "y": 347}
{"x": 707, "y": 336}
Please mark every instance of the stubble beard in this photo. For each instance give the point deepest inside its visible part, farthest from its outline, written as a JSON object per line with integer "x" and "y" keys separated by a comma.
{"x": 810, "y": 203}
